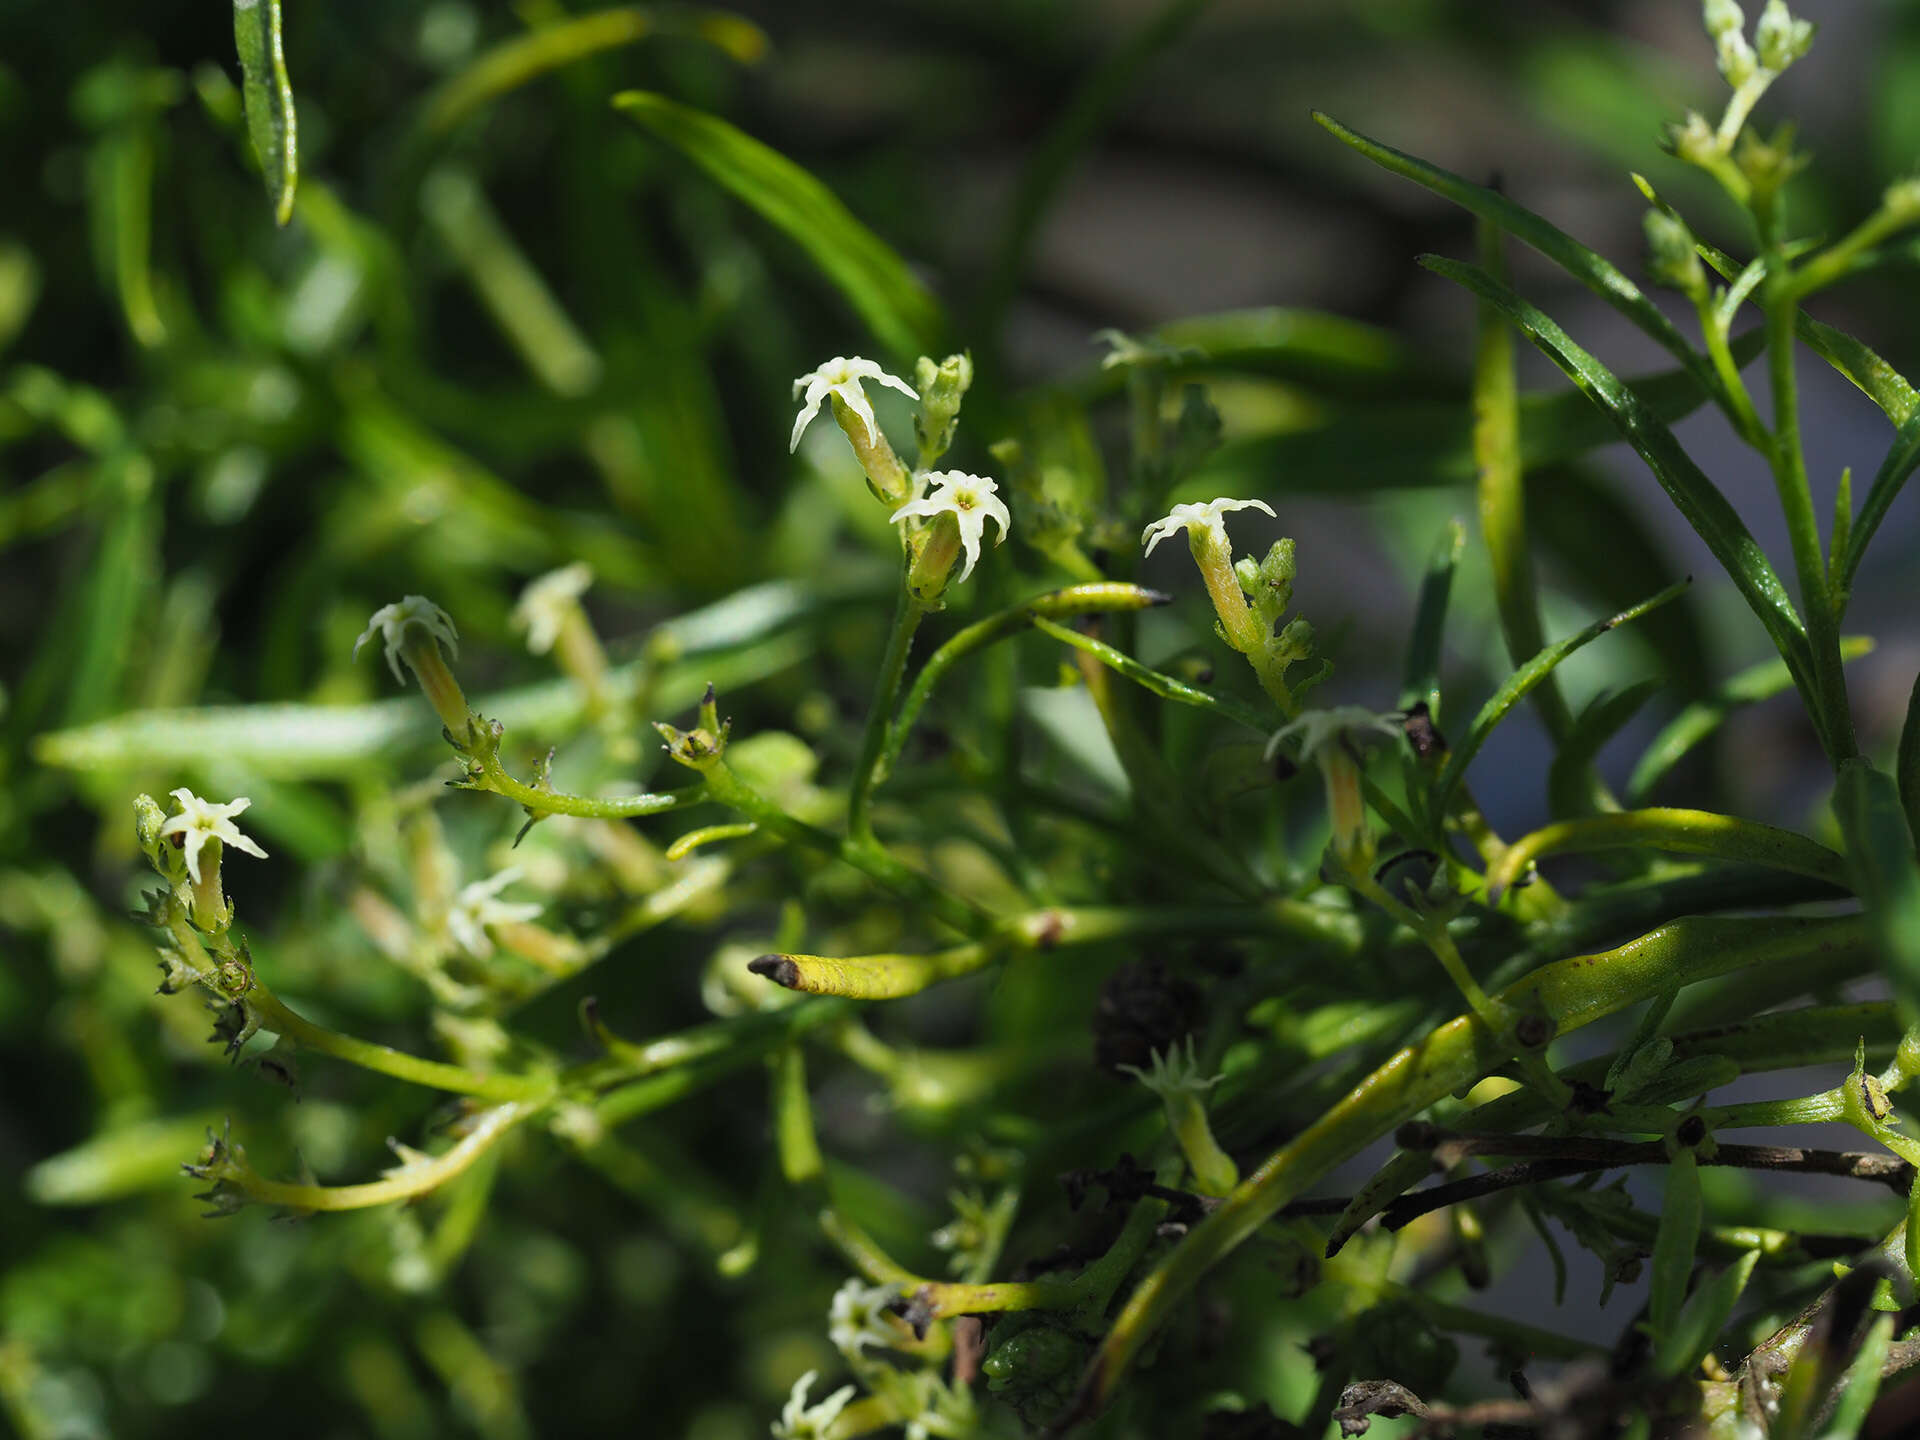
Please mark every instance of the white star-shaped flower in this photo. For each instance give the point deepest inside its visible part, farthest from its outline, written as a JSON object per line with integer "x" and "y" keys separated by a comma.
{"x": 199, "y": 821}
{"x": 842, "y": 376}
{"x": 858, "y": 1317}
{"x": 478, "y": 906}
{"x": 544, "y": 604}
{"x": 1207, "y": 517}
{"x": 1317, "y": 728}
{"x": 972, "y": 499}
{"x": 800, "y": 1421}
{"x": 391, "y": 622}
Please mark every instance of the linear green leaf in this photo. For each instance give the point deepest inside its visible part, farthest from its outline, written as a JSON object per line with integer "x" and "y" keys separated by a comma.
{"x": 513, "y": 63}
{"x": 1567, "y": 505}
{"x": 1571, "y": 993}
{"x": 1695, "y": 1328}
{"x": 1503, "y": 496}
{"x": 1165, "y": 686}
{"x": 1906, "y": 768}
{"x": 268, "y": 94}
{"x": 1422, "y": 682}
{"x": 1572, "y": 788}
{"x": 1416, "y": 444}
{"x": 896, "y": 307}
{"x": 1684, "y": 832}
{"x": 1591, "y": 269}
{"x": 1518, "y": 685}
{"x": 1852, "y": 357}
{"x": 1902, "y": 458}
{"x": 1698, "y": 499}
{"x": 1886, "y": 875}
{"x": 1700, "y": 719}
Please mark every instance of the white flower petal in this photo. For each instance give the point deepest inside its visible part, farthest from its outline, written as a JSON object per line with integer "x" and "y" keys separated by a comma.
{"x": 391, "y": 622}
{"x": 843, "y": 376}
{"x": 201, "y": 820}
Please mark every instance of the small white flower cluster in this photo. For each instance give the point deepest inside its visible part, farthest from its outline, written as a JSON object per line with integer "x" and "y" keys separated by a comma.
{"x": 971, "y": 499}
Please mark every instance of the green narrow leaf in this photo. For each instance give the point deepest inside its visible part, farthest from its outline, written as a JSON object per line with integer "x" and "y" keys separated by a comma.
{"x": 525, "y": 58}
{"x": 1503, "y": 498}
{"x": 268, "y": 93}
{"x": 1907, "y": 762}
{"x": 1422, "y": 443}
{"x": 1700, "y": 719}
{"x": 1673, "y": 1249}
{"x": 1165, "y": 686}
{"x": 1696, "y": 1327}
{"x": 1591, "y": 269}
{"x": 1570, "y": 782}
{"x": 1570, "y": 504}
{"x": 513, "y": 291}
{"x": 1698, "y": 499}
{"x": 1861, "y": 364}
{"x": 1902, "y": 458}
{"x": 1886, "y": 875}
{"x": 1400, "y": 1174}
{"x": 896, "y": 307}
{"x": 1862, "y": 1383}
{"x": 1429, "y": 623}
{"x": 1853, "y": 358}
{"x": 1518, "y": 685}
{"x": 1684, "y": 832}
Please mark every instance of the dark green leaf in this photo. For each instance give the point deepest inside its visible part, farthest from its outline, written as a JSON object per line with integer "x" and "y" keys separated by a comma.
{"x": 1696, "y": 1327}
{"x": 271, "y": 123}
{"x": 1698, "y": 499}
{"x": 897, "y": 308}
{"x": 1421, "y": 444}
{"x": 1570, "y": 781}
{"x": 1703, "y": 717}
{"x": 1516, "y": 688}
{"x": 1901, "y": 460}
{"x": 1429, "y": 623}
{"x": 1880, "y": 850}
{"x": 513, "y": 63}
{"x": 1594, "y": 271}
{"x": 1567, "y": 506}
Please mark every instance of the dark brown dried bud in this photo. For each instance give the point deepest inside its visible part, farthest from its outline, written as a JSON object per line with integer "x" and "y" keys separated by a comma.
{"x": 1142, "y": 1010}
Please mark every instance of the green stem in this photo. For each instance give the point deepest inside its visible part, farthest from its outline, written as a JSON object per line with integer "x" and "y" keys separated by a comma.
{"x": 433, "y": 1074}
{"x": 1788, "y": 460}
{"x": 1739, "y": 404}
{"x": 871, "y": 766}
{"x": 553, "y": 802}
{"x": 1572, "y": 993}
{"x": 1086, "y": 599}
{"x": 405, "y": 1184}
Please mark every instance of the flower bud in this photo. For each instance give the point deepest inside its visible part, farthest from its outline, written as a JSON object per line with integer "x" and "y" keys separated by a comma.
{"x": 1779, "y": 37}
{"x": 1671, "y": 258}
{"x": 942, "y": 387}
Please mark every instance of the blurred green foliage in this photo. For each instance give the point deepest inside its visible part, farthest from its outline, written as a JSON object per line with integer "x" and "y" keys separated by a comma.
{"x": 511, "y": 323}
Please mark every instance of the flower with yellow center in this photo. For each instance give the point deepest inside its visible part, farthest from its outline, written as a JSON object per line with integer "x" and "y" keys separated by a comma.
{"x": 841, "y": 378}
{"x": 1201, "y": 522}
{"x": 200, "y": 821}
{"x": 970, "y": 499}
